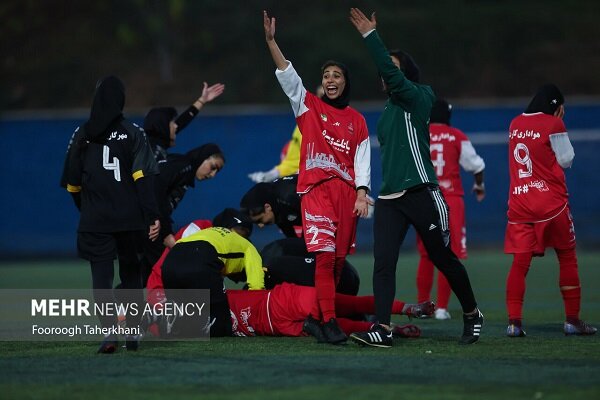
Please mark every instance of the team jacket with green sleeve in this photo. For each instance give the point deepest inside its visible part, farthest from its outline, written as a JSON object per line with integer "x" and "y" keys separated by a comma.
{"x": 236, "y": 253}
{"x": 402, "y": 129}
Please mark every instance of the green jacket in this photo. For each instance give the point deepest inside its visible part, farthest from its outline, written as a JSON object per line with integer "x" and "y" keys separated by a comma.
{"x": 403, "y": 128}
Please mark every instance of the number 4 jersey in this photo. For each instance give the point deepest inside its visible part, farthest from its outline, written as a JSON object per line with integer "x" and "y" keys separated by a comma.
{"x": 104, "y": 172}
{"x": 538, "y": 190}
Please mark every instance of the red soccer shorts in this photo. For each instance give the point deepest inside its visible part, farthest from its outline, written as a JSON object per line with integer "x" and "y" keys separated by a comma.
{"x": 328, "y": 217}
{"x": 558, "y": 233}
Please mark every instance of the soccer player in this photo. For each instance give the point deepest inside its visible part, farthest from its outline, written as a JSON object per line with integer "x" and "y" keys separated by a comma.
{"x": 409, "y": 193}
{"x": 538, "y": 206}
{"x": 275, "y": 203}
{"x": 450, "y": 150}
{"x": 335, "y": 171}
{"x": 162, "y": 124}
{"x": 177, "y": 175}
{"x": 109, "y": 170}
{"x": 283, "y": 311}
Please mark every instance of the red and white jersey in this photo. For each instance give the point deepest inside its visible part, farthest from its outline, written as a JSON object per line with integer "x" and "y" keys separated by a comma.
{"x": 249, "y": 312}
{"x": 154, "y": 286}
{"x": 538, "y": 191}
{"x": 451, "y": 149}
{"x": 335, "y": 143}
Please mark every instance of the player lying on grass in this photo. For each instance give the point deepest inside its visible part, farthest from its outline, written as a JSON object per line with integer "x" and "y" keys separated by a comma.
{"x": 292, "y": 310}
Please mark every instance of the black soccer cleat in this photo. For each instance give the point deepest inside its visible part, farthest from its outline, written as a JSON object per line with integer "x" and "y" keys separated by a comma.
{"x": 471, "y": 328}
{"x": 377, "y": 336}
{"x": 132, "y": 342}
{"x": 579, "y": 328}
{"x": 332, "y": 332}
{"x": 312, "y": 327}
{"x": 420, "y": 310}
{"x": 109, "y": 345}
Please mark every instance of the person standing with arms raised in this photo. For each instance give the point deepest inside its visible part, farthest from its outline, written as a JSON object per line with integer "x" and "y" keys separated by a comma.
{"x": 410, "y": 193}
{"x": 334, "y": 174}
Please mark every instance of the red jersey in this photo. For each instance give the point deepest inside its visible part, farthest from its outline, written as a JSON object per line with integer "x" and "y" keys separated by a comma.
{"x": 249, "y": 312}
{"x": 451, "y": 149}
{"x": 335, "y": 142}
{"x": 156, "y": 293}
{"x": 538, "y": 189}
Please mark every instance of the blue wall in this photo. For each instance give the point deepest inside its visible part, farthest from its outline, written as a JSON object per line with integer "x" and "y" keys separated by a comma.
{"x": 39, "y": 218}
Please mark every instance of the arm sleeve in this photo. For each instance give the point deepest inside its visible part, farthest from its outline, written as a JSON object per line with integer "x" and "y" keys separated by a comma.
{"x": 290, "y": 164}
{"x": 292, "y": 86}
{"x": 400, "y": 88}
{"x": 144, "y": 163}
{"x": 469, "y": 159}
{"x": 255, "y": 274}
{"x": 362, "y": 164}
{"x": 146, "y": 194}
{"x": 561, "y": 145}
{"x": 185, "y": 118}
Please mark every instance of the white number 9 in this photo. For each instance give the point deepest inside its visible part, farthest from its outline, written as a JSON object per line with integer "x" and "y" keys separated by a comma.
{"x": 524, "y": 160}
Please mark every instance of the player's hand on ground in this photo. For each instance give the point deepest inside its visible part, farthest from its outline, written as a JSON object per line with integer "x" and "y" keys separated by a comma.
{"x": 154, "y": 230}
{"x": 269, "y": 25}
{"x": 361, "y": 22}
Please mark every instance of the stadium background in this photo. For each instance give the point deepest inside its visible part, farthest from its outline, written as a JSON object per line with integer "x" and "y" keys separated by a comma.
{"x": 486, "y": 57}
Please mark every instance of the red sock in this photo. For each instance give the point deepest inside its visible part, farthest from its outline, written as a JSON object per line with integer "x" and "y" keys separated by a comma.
{"x": 424, "y": 279}
{"x": 346, "y": 305}
{"x": 339, "y": 265}
{"x": 515, "y": 285}
{"x": 443, "y": 291}
{"x": 349, "y": 325}
{"x": 325, "y": 284}
{"x": 569, "y": 277}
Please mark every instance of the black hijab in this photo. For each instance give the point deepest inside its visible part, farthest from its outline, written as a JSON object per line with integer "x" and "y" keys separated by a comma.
{"x": 343, "y": 100}
{"x": 547, "y": 99}
{"x": 156, "y": 125}
{"x": 199, "y": 154}
{"x": 441, "y": 112}
{"x": 407, "y": 65}
{"x": 107, "y": 107}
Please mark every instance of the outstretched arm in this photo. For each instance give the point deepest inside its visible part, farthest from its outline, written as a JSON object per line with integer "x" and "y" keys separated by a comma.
{"x": 269, "y": 24}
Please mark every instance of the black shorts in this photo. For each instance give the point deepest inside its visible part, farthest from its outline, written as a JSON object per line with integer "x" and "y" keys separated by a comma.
{"x": 106, "y": 246}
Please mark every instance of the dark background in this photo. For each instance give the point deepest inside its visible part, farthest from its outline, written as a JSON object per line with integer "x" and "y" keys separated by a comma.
{"x": 54, "y": 51}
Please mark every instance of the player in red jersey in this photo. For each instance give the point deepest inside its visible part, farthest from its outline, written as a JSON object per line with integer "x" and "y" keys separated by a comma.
{"x": 282, "y": 311}
{"x": 450, "y": 150}
{"x": 334, "y": 171}
{"x": 538, "y": 206}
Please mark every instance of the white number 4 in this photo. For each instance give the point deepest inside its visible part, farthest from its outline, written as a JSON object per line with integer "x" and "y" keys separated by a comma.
{"x": 111, "y": 166}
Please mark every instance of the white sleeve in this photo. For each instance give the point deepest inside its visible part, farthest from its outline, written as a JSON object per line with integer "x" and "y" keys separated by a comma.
{"x": 469, "y": 159}
{"x": 292, "y": 86}
{"x": 362, "y": 164}
{"x": 561, "y": 145}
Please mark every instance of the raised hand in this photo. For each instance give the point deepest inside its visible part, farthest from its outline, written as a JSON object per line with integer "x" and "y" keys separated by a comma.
{"x": 209, "y": 93}
{"x": 269, "y": 25}
{"x": 361, "y": 22}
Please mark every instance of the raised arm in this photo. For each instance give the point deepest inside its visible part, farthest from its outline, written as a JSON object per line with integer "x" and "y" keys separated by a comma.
{"x": 209, "y": 93}
{"x": 269, "y": 24}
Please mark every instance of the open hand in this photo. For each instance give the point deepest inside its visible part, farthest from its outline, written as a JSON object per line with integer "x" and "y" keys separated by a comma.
{"x": 209, "y": 93}
{"x": 361, "y": 22}
{"x": 269, "y": 25}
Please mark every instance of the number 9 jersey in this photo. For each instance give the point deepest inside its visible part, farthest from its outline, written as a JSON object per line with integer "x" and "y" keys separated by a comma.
{"x": 539, "y": 149}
